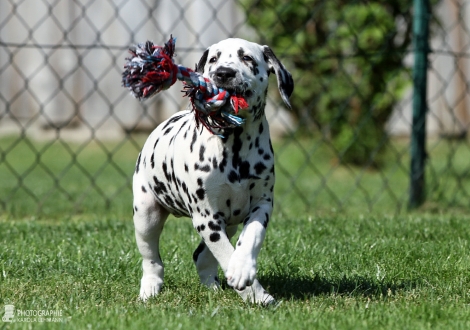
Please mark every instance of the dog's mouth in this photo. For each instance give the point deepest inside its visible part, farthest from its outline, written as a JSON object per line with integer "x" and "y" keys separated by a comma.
{"x": 238, "y": 91}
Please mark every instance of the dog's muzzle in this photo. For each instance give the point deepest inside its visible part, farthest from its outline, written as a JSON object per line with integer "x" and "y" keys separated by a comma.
{"x": 225, "y": 77}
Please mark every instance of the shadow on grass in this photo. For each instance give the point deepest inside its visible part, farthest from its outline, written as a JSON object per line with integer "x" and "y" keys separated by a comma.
{"x": 301, "y": 288}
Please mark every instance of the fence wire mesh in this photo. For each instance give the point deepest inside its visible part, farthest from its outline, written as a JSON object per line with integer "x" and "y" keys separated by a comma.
{"x": 69, "y": 134}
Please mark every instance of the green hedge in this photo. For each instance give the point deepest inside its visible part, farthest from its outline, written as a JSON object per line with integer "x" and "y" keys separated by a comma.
{"x": 347, "y": 61}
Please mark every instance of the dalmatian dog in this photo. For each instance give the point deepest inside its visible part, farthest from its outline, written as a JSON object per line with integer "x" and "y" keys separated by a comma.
{"x": 218, "y": 180}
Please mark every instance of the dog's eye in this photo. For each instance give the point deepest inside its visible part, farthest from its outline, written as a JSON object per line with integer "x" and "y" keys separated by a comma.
{"x": 213, "y": 59}
{"x": 247, "y": 58}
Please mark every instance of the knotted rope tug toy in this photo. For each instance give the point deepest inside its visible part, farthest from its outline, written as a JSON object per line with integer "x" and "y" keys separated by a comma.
{"x": 151, "y": 69}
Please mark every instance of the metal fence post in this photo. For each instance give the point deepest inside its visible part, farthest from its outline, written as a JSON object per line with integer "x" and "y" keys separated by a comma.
{"x": 418, "y": 134}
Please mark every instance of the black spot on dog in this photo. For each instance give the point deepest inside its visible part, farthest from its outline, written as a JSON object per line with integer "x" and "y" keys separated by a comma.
{"x": 252, "y": 185}
{"x": 202, "y": 150}
{"x": 245, "y": 220}
{"x": 205, "y": 168}
{"x": 159, "y": 187}
{"x": 186, "y": 168}
{"x": 169, "y": 201}
{"x": 236, "y": 146}
{"x": 266, "y": 221}
{"x": 213, "y": 226}
{"x": 198, "y": 251}
{"x": 173, "y": 176}
{"x": 179, "y": 204}
{"x": 259, "y": 167}
{"x": 138, "y": 163}
{"x": 267, "y": 157}
{"x": 152, "y": 160}
{"x": 165, "y": 171}
{"x": 200, "y": 193}
{"x": 214, "y": 237}
{"x": 168, "y": 130}
{"x": 227, "y": 202}
{"x": 236, "y": 212}
{"x": 199, "y": 182}
{"x": 244, "y": 170}
{"x": 143, "y": 189}
{"x": 172, "y": 120}
{"x": 223, "y": 163}
{"x": 233, "y": 176}
{"x": 193, "y": 140}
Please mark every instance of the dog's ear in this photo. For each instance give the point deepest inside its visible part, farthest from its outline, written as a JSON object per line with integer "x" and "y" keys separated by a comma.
{"x": 202, "y": 62}
{"x": 285, "y": 83}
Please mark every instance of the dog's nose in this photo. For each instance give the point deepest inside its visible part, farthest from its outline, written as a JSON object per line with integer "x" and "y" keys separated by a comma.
{"x": 224, "y": 74}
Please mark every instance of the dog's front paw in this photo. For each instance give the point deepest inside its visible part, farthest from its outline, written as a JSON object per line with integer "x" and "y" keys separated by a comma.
{"x": 241, "y": 271}
{"x": 150, "y": 286}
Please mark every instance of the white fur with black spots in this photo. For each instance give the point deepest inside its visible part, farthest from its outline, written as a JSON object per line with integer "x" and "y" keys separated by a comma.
{"x": 220, "y": 183}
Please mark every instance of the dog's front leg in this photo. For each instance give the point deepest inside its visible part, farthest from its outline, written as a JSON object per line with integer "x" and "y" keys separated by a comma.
{"x": 214, "y": 237}
{"x": 206, "y": 264}
{"x": 241, "y": 270}
{"x": 234, "y": 262}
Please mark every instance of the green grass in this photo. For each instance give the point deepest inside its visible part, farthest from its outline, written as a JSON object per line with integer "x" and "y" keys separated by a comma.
{"x": 332, "y": 272}
{"x": 341, "y": 252}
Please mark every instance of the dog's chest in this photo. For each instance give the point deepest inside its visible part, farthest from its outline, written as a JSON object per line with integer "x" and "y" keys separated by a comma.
{"x": 194, "y": 173}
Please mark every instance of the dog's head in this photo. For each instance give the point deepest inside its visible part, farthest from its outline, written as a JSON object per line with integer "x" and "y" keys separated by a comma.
{"x": 243, "y": 67}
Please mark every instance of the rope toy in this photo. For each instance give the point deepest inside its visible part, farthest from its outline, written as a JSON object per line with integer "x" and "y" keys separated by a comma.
{"x": 151, "y": 69}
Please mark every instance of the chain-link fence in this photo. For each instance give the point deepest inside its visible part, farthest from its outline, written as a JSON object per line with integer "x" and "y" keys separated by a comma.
{"x": 70, "y": 134}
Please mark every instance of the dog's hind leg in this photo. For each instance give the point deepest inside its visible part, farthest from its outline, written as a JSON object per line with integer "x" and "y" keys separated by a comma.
{"x": 149, "y": 218}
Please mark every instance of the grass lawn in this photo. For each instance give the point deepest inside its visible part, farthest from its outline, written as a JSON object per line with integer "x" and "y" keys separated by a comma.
{"x": 329, "y": 270}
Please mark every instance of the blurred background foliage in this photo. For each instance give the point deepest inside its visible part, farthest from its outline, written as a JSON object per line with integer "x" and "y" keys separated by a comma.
{"x": 347, "y": 60}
